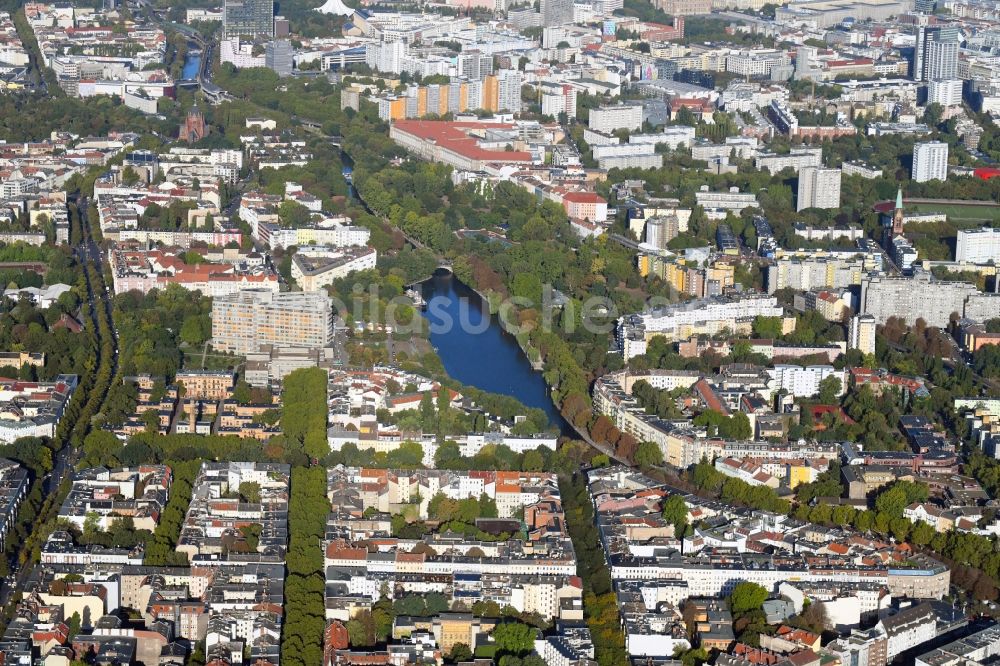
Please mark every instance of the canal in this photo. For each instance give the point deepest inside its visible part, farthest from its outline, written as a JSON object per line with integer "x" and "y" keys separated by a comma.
{"x": 476, "y": 351}
{"x": 192, "y": 65}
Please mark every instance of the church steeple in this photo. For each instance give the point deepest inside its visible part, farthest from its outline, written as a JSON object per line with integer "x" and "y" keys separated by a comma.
{"x": 897, "y": 215}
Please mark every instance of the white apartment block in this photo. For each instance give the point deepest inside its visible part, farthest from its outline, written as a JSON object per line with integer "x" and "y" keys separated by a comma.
{"x": 861, "y": 334}
{"x": 628, "y": 155}
{"x": 244, "y": 322}
{"x": 803, "y": 382}
{"x": 978, "y": 246}
{"x": 861, "y": 169}
{"x": 607, "y": 119}
{"x": 930, "y": 161}
{"x": 718, "y": 204}
{"x": 818, "y": 188}
{"x": 558, "y": 99}
{"x": 819, "y": 270}
{"x": 919, "y": 297}
{"x": 672, "y": 137}
{"x": 757, "y": 62}
{"x": 680, "y": 321}
{"x": 796, "y": 159}
{"x": 946, "y": 92}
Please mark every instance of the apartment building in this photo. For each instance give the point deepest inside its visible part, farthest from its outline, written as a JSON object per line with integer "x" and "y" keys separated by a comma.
{"x": 249, "y": 320}
{"x": 978, "y": 246}
{"x": 205, "y": 384}
{"x": 717, "y": 205}
{"x": 218, "y": 510}
{"x": 808, "y": 270}
{"x": 804, "y": 382}
{"x": 315, "y": 267}
{"x": 14, "y": 483}
{"x": 919, "y": 297}
{"x": 861, "y": 333}
{"x": 607, "y": 119}
{"x": 144, "y": 271}
{"x": 818, "y": 188}
{"x": 105, "y": 495}
{"x": 33, "y": 409}
{"x": 796, "y": 160}
{"x": 930, "y": 161}
{"x": 681, "y": 321}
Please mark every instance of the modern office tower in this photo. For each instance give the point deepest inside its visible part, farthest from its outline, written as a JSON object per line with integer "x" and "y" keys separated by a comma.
{"x": 930, "y": 161}
{"x": 818, "y": 188}
{"x": 245, "y": 321}
{"x": 248, "y": 18}
{"x": 278, "y": 57}
{"x": 917, "y": 67}
{"x": 804, "y": 57}
{"x": 941, "y": 56}
{"x": 861, "y": 334}
{"x": 556, "y": 12}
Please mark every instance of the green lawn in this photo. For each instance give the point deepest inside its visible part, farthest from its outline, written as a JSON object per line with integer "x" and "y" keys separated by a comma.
{"x": 957, "y": 212}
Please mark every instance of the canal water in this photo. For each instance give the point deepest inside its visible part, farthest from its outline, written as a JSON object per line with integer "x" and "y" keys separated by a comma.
{"x": 476, "y": 351}
{"x": 192, "y": 65}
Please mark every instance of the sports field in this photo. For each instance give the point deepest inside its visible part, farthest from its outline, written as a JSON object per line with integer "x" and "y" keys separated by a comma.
{"x": 957, "y": 212}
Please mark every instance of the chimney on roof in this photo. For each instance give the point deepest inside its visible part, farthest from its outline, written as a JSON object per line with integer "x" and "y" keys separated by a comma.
{"x": 191, "y": 418}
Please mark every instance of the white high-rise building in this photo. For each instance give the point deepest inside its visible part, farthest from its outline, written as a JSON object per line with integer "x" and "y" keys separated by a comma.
{"x": 946, "y": 92}
{"x": 804, "y": 57}
{"x": 978, "y": 246}
{"x": 818, "y": 188}
{"x": 556, "y": 12}
{"x": 385, "y": 56}
{"x": 861, "y": 333}
{"x": 509, "y": 90}
{"x": 941, "y": 58}
{"x": 803, "y": 382}
{"x": 559, "y": 99}
{"x": 930, "y": 161}
{"x": 245, "y": 321}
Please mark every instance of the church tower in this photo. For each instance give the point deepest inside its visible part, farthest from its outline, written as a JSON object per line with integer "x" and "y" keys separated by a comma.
{"x": 193, "y": 129}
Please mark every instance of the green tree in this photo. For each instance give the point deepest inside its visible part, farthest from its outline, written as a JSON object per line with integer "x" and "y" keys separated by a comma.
{"x": 361, "y": 629}
{"x": 514, "y": 638}
{"x": 460, "y": 652}
{"x": 892, "y": 501}
{"x": 250, "y": 492}
{"x": 829, "y": 389}
{"x": 648, "y": 454}
{"x": 242, "y": 393}
{"x": 675, "y": 512}
{"x": 747, "y": 597}
{"x": 533, "y": 461}
{"x": 768, "y": 328}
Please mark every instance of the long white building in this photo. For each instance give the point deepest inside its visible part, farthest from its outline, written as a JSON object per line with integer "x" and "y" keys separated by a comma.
{"x": 978, "y": 246}
{"x": 682, "y": 320}
{"x": 607, "y": 119}
{"x": 803, "y": 382}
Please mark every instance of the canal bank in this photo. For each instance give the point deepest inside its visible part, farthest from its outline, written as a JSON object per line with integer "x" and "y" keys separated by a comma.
{"x": 460, "y": 366}
{"x": 475, "y": 350}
